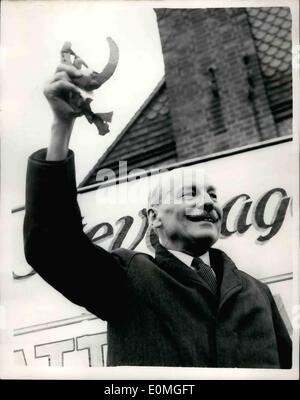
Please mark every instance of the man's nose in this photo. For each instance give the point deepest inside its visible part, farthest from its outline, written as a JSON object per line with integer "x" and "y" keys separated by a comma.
{"x": 205, "y": 201}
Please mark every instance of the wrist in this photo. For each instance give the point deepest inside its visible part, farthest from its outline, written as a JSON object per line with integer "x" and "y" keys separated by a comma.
{"x": 62, "y": 126}
{"x": 59, "y": 142}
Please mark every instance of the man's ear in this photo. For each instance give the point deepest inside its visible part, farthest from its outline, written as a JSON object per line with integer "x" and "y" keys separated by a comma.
{"x": 153, "y": 218}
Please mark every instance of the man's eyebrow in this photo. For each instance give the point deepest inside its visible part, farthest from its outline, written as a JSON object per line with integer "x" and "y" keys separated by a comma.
{"x": 211, "y": 188}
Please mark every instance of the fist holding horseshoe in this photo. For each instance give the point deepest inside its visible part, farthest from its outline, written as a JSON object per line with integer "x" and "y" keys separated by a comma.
{"x": 64, "y": 93}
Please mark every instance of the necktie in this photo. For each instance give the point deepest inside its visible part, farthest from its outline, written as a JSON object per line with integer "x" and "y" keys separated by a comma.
{"x": 206, "y": 273}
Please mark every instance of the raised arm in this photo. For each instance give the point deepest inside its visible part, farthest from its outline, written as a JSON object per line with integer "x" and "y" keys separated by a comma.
{"x": 54, "y": 241}
{"x": 58, "y": 91}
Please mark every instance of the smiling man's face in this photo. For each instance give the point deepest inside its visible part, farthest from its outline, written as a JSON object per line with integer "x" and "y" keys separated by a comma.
{"x": 188, "y": 217}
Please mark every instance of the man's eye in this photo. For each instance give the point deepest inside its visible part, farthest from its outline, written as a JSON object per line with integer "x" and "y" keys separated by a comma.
{"x": 188, "y": 196}
{"x": 213, "y": 196}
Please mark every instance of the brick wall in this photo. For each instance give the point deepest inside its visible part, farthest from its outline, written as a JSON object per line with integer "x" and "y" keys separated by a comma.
{"x": 216, "y": 91}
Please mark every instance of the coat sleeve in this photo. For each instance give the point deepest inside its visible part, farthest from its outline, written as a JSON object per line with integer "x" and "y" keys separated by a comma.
{"x": 56, "y": 246}
{"x": 284, "y": 342}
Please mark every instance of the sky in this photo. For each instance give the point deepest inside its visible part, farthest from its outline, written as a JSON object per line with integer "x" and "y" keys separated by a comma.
{"x": 32, "y": 35}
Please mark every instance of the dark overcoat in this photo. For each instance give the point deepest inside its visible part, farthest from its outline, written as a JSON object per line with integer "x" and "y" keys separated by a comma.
{"x": 159, "y": 311}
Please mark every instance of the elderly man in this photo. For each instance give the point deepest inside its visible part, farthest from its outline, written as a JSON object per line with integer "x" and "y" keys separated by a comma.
{"x": 188, "y": 307}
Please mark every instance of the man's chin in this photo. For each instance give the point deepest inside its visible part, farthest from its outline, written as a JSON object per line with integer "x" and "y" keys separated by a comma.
{"x": 204, "y": 241}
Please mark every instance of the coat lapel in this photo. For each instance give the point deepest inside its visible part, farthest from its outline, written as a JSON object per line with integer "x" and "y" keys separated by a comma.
{"x": 230, "y": 280}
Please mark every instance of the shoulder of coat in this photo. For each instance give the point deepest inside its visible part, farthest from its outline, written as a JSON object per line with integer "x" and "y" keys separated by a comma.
{"x": 261, "y": 285}
{"x": 128, "y": 255}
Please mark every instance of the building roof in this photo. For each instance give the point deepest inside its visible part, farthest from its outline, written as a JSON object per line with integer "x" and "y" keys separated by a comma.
{"x": 271, "y": 30}
{"x": 147, "y": 141}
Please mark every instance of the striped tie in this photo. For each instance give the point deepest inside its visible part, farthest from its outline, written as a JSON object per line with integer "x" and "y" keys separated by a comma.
{"x": 206, "y": 273}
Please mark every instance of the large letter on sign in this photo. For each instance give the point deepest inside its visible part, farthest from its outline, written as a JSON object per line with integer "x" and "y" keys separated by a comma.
{"x": 95, "y": 345}
{"x": 278, "y": 216}
{"x": 54, "y": 351}
{"x": 241, "y": 225}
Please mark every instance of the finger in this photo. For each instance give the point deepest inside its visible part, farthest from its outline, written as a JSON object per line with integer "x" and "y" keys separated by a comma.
{"x": 64, "y": 107}
{"x": 70, "y": 70}
{"x": 59, "y": 86}
{"x": 65, "y": 85}
{"x": 61, "y": 76}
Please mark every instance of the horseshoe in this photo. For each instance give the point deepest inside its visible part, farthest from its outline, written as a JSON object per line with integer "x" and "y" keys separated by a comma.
{"x": 91, "y": 80}
{"x": 111, "y": 65}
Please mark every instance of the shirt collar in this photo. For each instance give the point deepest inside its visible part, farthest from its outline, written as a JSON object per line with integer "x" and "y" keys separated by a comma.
{"x": 187, "y": 259}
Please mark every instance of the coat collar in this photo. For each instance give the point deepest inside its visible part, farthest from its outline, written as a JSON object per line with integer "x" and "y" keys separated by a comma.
{"x": 224, "y": 267}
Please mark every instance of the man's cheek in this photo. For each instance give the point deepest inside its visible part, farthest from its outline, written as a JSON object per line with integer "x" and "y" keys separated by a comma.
{"x": 188, "y": 210}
